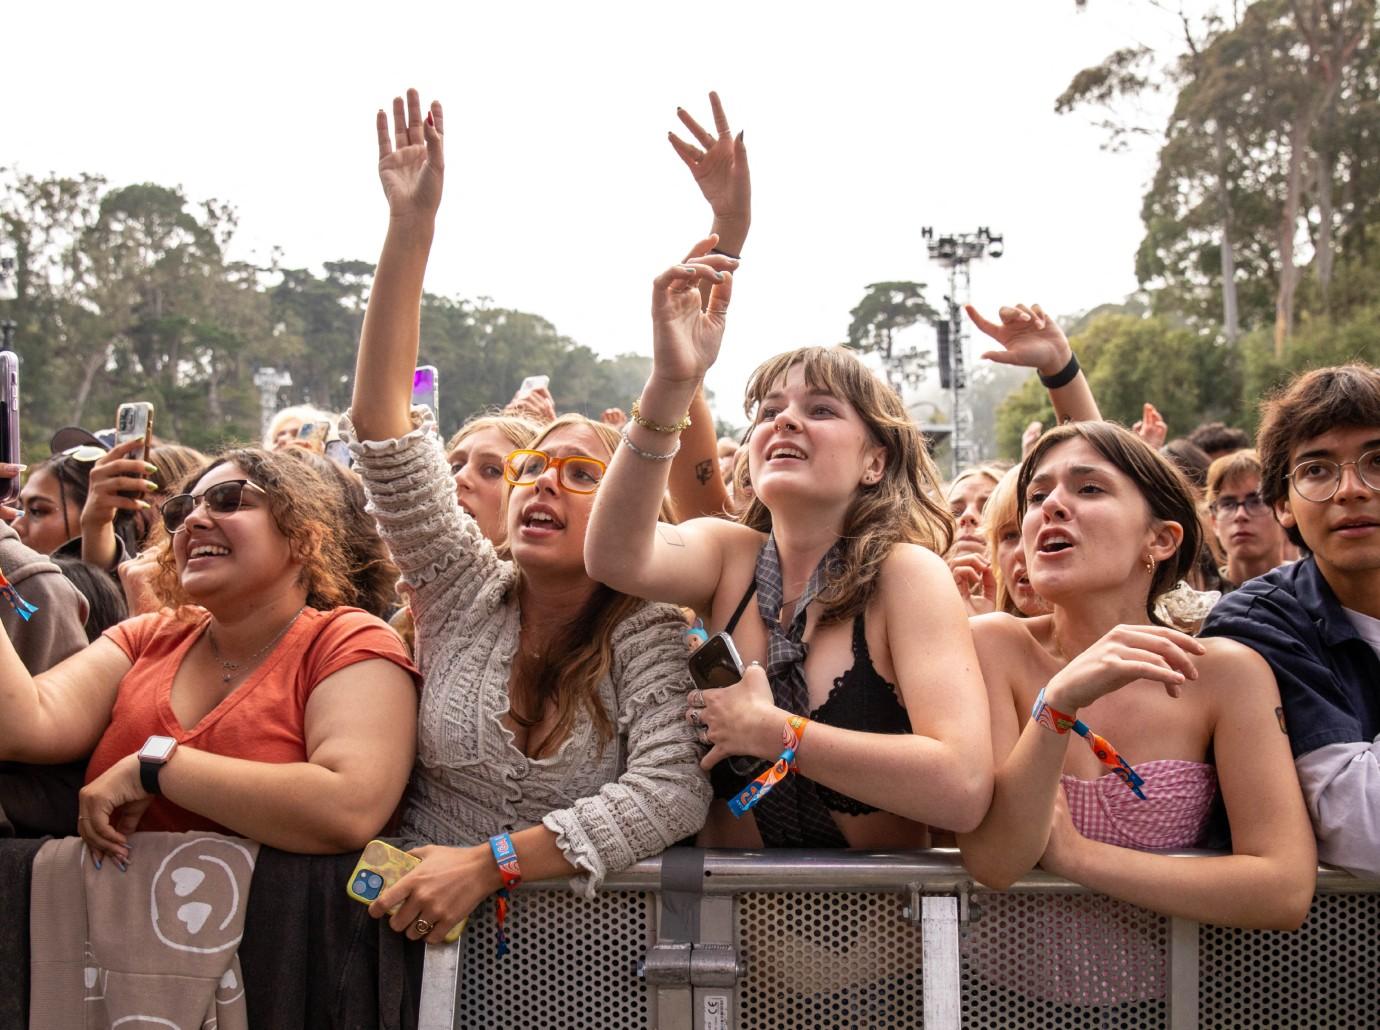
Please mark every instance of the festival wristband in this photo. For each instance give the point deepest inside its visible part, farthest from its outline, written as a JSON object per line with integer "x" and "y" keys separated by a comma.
{"x": 505, "y": 856}
{"x": 1107, "y": 755}
{"x": 791, "y": 736}
{"x": 24, "y": 608}
{"x": 1053, "y": 719}
{"x": 1050, "y": 718}
{"x": 1064, "y": 376}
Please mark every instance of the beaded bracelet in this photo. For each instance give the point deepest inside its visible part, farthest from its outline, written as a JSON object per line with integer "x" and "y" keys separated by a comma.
{"x": 791, "y": 736}
{"x": 648, "y": 455}
{"x": 657, "y": 427}
{"x": 505, "y": 855}
{"x": 1056, "y": 721}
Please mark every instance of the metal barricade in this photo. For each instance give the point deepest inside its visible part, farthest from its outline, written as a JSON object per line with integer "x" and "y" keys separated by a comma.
{"x": 724, "y": 940}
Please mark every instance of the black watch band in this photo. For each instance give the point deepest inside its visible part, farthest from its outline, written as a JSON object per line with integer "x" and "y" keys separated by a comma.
{"x": 148, "y": 776}
{"x": 1064, "y": 376}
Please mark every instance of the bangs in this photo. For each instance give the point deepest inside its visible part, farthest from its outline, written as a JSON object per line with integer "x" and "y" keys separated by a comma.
{"x": 832, "y": 370}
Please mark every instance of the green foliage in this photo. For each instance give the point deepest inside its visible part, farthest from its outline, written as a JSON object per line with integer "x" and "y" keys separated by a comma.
{"x": 127, "y": 294}
{"x": 885, "y": 309}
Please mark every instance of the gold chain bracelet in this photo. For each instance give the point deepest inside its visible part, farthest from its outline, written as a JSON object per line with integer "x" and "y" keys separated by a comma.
{"x": 656, "y": 427}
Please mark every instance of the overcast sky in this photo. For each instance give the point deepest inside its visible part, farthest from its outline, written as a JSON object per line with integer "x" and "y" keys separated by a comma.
{"x": 864, "y": 122}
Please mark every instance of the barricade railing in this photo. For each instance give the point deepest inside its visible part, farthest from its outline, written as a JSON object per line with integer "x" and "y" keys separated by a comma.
{"x": 732, "y": 940}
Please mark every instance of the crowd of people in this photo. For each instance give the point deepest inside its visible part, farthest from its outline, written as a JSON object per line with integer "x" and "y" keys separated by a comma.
{"x": 514, "y": 610}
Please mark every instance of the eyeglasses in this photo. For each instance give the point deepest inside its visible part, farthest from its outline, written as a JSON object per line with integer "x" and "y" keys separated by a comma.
{"x": 1317, "y": 479}
{"x": 221, "y": 500}
{"x": 1227, "y": 507}
{"x": 576, "y": 473}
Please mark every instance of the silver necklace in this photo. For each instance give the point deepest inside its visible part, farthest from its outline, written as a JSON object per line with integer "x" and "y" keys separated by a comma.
{"x": 232, "y": 669}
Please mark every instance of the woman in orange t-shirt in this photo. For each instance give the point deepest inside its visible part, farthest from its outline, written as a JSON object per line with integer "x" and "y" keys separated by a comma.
{"x": 269, "y": 711}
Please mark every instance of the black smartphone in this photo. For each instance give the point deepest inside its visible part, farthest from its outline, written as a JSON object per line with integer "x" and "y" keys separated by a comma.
{"x": 716, "y": 663}
{"x": 9, "y": 421}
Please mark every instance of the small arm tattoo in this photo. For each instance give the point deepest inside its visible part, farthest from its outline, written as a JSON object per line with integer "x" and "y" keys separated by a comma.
{"x": 704, "y": 471}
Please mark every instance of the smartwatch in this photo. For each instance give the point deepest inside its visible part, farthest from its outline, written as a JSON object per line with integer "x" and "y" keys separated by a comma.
{"x": 152, "y": 757}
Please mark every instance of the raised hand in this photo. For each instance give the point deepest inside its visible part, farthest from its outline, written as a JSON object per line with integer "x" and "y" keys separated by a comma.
{"x": 1123, "y": 655}
{"x": 686, "y": 330}
{"x": 411, "y": 157}
{"x": 1028, "y": 337}
{"x": 615, "y": 417}
{"x": 537, "y": 405}
{"x": 1151, "y": 426}
{"x": 719, "y": 165}
{"x": 976, "y": 584}
{"x": 1031, "y": 436}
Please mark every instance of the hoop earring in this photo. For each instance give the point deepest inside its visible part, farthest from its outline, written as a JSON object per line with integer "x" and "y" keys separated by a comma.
{"x": 1149, "y": 563}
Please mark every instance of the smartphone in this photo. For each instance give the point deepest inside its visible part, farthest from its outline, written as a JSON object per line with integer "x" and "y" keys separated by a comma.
{"x": 533, "y": 383}
{"x": 134, "y": 421}
{"x": 426, "y": 389}
{"x": 9, "y": 421}
{"x": 381, "y": 866}
{"x": 315, "y": 433}
{"x": 715, "y": 663}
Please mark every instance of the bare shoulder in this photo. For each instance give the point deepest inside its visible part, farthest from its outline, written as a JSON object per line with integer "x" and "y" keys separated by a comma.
{"x": 911, "y": 567}
{"x": 1233, "y": 670}
{"x": 1007, "y": 633}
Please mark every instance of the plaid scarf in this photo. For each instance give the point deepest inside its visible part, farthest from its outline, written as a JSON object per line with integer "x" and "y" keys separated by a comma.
{"x": 791, "y": 816}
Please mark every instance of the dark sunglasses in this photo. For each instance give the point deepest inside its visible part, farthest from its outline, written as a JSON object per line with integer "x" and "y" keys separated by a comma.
{"x": 221, "y": 499}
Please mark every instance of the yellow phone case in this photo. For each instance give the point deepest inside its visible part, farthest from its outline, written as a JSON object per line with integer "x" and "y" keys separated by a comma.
{"x": 381, "y": 866}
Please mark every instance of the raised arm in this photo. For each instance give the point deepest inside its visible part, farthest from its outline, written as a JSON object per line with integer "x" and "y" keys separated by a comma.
{"x": 1032, "y": 339}
{"x": 411, "y": 169}
{"x": 623, "y": 546}
{"x": 720, "y": 168}
{"x": 114, "y": 476}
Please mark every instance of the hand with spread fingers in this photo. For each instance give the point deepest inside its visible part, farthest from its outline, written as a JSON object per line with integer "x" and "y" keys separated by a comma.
{"x": 412, "y": 157}
{"x": 1028, "y": 338}
{"x": 739, "y": 720}
{"x": 718, "y": 161}
{"x": 431, "y": 899}
{"x": 686, "y": 331}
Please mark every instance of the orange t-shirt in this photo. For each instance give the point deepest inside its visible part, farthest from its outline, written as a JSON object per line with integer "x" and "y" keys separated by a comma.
{"x": 263, "y": 720}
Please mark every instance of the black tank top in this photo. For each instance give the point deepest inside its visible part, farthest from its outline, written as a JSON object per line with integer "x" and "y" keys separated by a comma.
{"x": 859, "y": 700}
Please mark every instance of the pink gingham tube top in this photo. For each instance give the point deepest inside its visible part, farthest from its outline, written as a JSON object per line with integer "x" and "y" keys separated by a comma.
{"x": 1174, "y": 814}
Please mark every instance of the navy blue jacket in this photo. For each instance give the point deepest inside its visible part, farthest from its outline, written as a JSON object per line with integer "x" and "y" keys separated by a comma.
{"x": 1329, "y": 677}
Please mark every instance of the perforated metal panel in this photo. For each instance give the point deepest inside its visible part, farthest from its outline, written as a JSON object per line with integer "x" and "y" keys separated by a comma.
{"x": 572, "y": 964}
{"x": 1325, "y": 975}
{"x": 1062, "y": 960}
{"x": 828, "y": 960}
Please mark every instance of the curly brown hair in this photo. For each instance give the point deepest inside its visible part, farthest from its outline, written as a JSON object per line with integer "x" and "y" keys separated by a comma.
{"x": 306, "y": 509}
{"x": 904, "y": 506}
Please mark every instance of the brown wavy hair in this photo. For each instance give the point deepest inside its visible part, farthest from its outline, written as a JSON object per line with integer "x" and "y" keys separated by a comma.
{"x": 568, "y": 671}
{"x": 307, "y": 510}
{"x": 904, "y": 506}
{"x": 1166, "y": 491}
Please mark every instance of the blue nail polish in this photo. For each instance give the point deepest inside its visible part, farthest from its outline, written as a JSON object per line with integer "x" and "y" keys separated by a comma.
{"x": 123, "y": 868}
{"x": 96, "y": 862}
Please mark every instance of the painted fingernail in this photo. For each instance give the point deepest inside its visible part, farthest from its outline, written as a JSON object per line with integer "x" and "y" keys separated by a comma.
{"x": 149, "y": 484}
{"x": 144, "y": 506}
{"x": 718, "y": 277}
{"x": 123, "y": 868}
{"x": 96, "y": 862}
{"x": 150, "y": 466}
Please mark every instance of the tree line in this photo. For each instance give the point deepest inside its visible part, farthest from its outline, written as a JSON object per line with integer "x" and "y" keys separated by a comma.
{"x": 129, "y": 293}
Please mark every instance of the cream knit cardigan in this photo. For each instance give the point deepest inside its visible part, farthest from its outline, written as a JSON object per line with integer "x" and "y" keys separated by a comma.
{"x": 643, "y": 792}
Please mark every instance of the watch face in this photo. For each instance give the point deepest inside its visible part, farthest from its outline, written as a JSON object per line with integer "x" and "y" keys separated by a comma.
{"x": 157, "y": 749}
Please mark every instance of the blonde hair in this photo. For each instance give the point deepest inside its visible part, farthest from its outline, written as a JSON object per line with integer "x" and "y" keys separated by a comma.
{"x": 573, "y": 662}
{"x": 992, "y": 472}
{"x": 304, "y": 413}
{"x": 903, "y": 506}
{"x": 1229, "y": 468}
{"x": 518, "y": 431}
{"x": 997, "y": 516}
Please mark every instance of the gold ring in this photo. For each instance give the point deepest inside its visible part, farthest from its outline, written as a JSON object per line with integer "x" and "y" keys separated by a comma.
{"x": 423, "y": 927}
